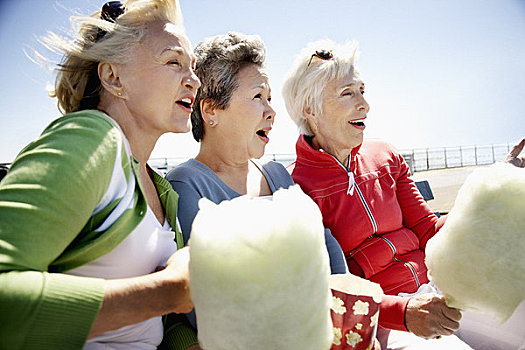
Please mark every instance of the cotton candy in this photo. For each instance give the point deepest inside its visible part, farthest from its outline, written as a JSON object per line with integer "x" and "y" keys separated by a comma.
{"x": 478, "y": 258}
{"x": 259, "y": 274}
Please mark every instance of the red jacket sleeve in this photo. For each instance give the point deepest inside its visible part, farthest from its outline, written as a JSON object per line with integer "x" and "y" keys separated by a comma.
{"x": 417, "y": 215}
{"x": 392, "y": 312}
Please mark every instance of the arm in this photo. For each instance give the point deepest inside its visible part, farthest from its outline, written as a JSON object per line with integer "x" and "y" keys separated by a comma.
{"x": 425, "y": 315}
{"x": 392, "y": 312}
{"x": 417, "y": 215}
{"x": 45, "y": 201}
{"x": 188, "y": 208}
{"x": 337, "y": 258}
{"x": 41, "y": 215}
{"x": 188, "y": 204}
{"x": 513, "y": 156}
{"x": 132, "y": 300}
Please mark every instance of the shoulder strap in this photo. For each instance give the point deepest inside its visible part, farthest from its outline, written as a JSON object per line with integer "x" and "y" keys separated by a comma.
{"x": 276, "y": 175}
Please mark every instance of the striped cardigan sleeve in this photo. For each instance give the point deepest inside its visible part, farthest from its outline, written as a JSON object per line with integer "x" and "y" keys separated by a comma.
{"x": 46, "y": 199}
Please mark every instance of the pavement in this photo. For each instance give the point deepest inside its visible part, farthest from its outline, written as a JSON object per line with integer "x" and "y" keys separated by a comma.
{"x": 445, "y": 184}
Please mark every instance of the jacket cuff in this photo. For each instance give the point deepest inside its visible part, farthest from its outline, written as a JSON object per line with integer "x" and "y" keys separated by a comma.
{"x": 392, "y": 312}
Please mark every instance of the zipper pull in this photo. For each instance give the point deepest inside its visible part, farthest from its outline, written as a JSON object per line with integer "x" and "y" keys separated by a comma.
{"x": 351, "y": 183}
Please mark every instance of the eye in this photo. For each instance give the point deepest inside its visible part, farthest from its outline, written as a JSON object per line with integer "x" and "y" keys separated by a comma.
{"x": 347, "y": 93}
{"x": 259, "y": 95}
{"x": 174, "y": 62}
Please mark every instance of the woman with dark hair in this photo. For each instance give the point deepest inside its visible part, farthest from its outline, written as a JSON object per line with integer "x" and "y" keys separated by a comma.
{"x": 232, "y": 120}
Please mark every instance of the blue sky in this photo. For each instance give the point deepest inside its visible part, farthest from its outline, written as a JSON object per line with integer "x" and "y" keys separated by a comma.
{"x": 437, "y": 73}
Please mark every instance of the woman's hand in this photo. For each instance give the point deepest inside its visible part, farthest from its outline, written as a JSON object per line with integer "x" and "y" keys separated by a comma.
{"x": 131, "y": 300}
{"x": 512, "y": 156}
{"x": 177, "y": 268}
{"x": 428, "y": 316}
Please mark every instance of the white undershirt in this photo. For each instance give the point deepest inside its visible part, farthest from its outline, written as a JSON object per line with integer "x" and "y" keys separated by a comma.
{"x": 149, "y": 245}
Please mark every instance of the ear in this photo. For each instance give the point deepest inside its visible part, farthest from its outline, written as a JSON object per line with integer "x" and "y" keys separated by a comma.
{"x": 311, "y": 118}
{"x": 307, "y": 112}
{"x": 208, "y": 112}
{"x": 109, "y": 78}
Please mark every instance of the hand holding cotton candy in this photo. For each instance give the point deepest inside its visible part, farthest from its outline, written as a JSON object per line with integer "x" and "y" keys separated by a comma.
{"x": 259, "y": 274}
{"x": 478, "y": 258}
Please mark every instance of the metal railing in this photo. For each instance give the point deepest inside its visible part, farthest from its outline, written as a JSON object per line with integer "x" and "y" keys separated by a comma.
{"x": 418, "y": 159}
{"x": 453, "y": 157}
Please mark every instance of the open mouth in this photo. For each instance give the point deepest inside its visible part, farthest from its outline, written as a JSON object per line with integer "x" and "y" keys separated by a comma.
{"x": 360, "y": 124}
{"x": 186, "y": 103}
{"x": 263, "y": 134}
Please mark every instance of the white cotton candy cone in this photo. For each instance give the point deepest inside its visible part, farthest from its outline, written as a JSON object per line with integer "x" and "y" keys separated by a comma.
{"x": 478, "y": 258}
{"x": 259, "y": 274}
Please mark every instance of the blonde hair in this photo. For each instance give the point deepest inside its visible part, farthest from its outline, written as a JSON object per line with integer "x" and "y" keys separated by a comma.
{"x": 309, "y": 75}
{"x": 77, "y": 85}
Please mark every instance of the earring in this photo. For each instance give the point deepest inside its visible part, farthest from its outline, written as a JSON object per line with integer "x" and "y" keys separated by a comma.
{"x": 119, "y": 94}
{"x": 211, "y": 122}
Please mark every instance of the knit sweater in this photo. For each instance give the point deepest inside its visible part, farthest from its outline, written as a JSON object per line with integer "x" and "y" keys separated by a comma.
{"x": 377, "y": 215}
{"x": 70, "y": 197}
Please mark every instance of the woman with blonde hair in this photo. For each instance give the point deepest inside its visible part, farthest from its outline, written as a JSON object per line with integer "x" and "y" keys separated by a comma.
{"x": 85, "y": 223}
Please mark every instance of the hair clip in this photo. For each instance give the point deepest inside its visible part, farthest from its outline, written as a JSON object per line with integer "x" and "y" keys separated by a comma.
{"x": 110, "y": 12}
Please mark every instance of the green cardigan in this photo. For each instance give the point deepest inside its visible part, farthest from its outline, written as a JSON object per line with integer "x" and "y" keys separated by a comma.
{"x": 54, "y": 207}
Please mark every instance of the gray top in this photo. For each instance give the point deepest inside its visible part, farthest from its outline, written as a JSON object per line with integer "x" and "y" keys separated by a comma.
{"x": 193, "y": 180}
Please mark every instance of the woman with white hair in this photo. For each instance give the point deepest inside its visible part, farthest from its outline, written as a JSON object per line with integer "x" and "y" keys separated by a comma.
{"x": 85, "y": 223}
{"x": 365, "y": 194}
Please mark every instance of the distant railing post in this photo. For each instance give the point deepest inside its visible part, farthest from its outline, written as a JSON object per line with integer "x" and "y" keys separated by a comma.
{"x": 428, "y": 166}
{"x": 445, "y": 154}
{"x": 475, "y": 154}
{"x": 461, "y": 155}
{"x": 493, "y": 155}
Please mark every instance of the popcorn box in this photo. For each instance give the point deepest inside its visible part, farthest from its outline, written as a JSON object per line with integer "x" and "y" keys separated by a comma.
{"x": 354, "y": 311}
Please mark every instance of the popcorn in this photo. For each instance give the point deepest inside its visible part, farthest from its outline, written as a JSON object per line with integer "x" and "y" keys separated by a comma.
{"x": 357, "y": 323}
{"x": 360, "y": 308}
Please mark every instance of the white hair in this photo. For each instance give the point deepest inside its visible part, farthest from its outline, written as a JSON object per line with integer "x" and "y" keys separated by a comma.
{"x": 309, "y": 75}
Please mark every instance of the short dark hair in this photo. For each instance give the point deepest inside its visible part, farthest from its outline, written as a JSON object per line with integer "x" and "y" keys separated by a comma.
{"x": 219, "y": 59}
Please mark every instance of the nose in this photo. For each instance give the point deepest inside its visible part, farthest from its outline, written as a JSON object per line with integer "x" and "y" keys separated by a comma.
{"x": 362, "y": 105}
{"x": 192, "y": 81}
{"x": 270, "y": 112}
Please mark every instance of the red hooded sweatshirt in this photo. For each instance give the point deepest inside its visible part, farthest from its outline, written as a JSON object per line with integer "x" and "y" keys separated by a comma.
{"x": 377, "y": 215}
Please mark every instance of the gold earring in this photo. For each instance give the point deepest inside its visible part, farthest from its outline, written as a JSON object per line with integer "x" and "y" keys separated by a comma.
{"x": 119, "y": 94}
